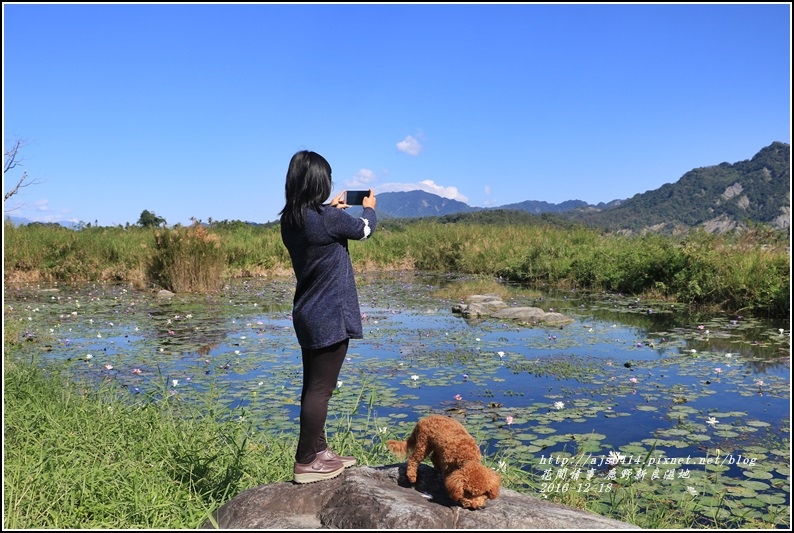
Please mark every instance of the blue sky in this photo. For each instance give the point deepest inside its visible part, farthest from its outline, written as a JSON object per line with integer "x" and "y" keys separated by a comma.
{"x": 194, "y": 110}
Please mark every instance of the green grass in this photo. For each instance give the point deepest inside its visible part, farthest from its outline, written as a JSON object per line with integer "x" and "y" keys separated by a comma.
{"x": 745, "y": 272}
{"x": 78, "y": 456}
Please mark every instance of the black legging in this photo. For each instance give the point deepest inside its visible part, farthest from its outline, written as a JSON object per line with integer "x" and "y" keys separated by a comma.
{"x": 320, "y": 373}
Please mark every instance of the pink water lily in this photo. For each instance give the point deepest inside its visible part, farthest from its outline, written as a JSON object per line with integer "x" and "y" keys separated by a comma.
{"x": 458, "y": 397}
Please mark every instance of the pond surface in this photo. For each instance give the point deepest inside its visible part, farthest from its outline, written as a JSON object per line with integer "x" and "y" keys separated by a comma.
{"x": 633, "y": 392}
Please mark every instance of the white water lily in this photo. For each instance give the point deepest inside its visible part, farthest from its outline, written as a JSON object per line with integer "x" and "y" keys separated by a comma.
{"x": 500, "y": 354}
{"x": 615, "y": 458}
{"x": 414, "y": 377}
{"x": 559, "y": 405}
{"x": 692, "y": 491}
{"x": 175, "y": 382}
{"x": 712, "y": 421}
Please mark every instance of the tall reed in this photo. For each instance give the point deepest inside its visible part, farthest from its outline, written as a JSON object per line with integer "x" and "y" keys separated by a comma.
{"x": 747, "y": 272}
{"x": 187, "y": 259}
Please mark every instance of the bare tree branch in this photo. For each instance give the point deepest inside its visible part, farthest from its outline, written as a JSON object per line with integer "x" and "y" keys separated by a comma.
{"x": 12, "y": 160}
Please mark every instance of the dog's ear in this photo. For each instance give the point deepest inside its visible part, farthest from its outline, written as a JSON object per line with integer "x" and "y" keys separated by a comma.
{"x": 494, "y": 480}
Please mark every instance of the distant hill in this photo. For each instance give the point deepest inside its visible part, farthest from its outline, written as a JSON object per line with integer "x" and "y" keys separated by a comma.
{"x": 537, "y": 207}
{"x": 21, "y": 221}
{"x": 413, "y": 204}
{"x": 717, "y": 198}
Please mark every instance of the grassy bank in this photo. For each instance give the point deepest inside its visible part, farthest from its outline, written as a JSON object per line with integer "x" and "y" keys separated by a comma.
{"x": 747, "y": 272}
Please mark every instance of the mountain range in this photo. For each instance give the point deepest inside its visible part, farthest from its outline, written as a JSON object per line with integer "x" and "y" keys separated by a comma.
{"x": 718, "y": 198}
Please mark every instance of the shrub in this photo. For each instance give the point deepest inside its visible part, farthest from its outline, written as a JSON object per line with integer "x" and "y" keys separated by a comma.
{"x": 187, "y": 259}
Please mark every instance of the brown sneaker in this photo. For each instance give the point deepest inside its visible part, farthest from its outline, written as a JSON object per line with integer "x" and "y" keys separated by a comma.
{"x": 318, "y": 470}
{"x": 346, "y": 460}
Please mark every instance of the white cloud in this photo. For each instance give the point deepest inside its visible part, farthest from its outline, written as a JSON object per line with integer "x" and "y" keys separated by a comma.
{"x": 363, "y": 179}
{"x": 425, "y": 185}
{"x": 42, "y": 211}
{"x": 410, "y": 145}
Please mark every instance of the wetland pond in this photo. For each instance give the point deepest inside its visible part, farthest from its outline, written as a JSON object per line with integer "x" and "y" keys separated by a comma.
{"x": 634, "y": 392}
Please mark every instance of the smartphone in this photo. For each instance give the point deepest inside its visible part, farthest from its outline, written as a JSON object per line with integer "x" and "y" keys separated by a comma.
{"x": 355, "y": 197}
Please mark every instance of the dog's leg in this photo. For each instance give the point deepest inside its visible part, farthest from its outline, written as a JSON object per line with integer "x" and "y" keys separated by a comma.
{"x": 418, "y": 443}
{"x": 438, "y": 462}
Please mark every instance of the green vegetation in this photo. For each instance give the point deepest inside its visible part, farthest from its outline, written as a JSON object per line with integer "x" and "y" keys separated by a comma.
{"x": 187, "y": 259}
{"x": 150, "y": 220}
{"x": 78, "y": 456}
{"x": 747, "y": 271}
{"x": 747, "y": 192}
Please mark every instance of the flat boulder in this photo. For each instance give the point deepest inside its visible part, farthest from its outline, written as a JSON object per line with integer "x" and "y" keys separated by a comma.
{"x": 380, "y": 497}
{"x": 490, "y": 305}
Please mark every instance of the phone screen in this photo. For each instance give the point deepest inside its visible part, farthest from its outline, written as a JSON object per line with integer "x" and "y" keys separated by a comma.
{"x": 356, "y": 197}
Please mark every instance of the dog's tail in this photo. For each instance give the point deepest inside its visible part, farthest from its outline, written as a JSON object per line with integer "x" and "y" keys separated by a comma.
{"x": 398, "y": 447}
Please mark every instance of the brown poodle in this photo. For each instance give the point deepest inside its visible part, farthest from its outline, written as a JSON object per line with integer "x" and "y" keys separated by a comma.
{"x": 453, "y": 452}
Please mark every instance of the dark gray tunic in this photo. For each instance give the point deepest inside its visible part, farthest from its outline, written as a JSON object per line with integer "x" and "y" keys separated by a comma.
{"x": 325, "y": 308}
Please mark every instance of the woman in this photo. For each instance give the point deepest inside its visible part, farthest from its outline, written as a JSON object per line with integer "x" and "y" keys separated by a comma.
{"x": 326, "y": 313}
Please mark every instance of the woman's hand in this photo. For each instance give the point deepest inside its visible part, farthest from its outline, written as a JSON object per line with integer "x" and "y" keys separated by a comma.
{"x": 369, "y": 201}
{"x": 339, "y": 201}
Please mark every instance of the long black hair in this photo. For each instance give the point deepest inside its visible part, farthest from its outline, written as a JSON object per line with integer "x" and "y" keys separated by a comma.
{"x": 308, "y": 186}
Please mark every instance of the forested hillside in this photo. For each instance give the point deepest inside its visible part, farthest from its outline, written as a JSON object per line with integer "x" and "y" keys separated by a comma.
{"x": 718, "y": 198}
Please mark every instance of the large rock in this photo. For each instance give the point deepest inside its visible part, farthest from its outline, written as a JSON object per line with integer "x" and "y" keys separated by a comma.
{"x": 484, "y": 305}
{"x": 382, "y": 498}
